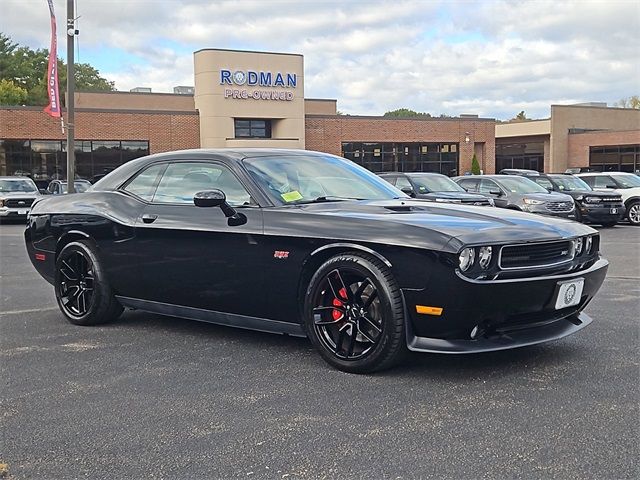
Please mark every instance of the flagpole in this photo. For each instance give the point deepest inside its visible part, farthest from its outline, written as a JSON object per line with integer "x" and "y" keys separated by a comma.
{"x": 71, "y": 151}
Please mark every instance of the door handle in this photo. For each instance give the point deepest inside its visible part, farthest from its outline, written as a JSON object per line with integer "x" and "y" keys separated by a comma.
{"x": 149, "y": 218}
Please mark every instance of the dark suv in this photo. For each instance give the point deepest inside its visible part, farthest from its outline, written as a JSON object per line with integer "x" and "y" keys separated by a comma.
{"x": 597, "y": 207}
{"x": 519, "y": 193}
{"x": 434, "y": 187}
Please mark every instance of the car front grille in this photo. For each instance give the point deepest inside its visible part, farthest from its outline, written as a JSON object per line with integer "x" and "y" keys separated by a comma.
{"x": 610, "y": 200}
{"x": 535, "y": 255}
{"x": 18, "y": 202}
{"x": 559, "y": 206}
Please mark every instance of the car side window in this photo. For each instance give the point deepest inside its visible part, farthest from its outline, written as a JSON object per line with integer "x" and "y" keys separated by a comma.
{"x": 544, "y": 182}
{"x": 390, "y": 178}
{"x": 403, "y": 182}
{"x": 591, "y": 181}
{"x": 470, "y": 185}
{"x": 486, "y": 186}
{"x": 603, "y": 181}
{"x": 181, "y": 181}
{"x": 144, "y": 184}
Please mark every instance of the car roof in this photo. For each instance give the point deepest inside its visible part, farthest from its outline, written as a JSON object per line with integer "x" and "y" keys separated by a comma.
{"x": 593, "y": 174}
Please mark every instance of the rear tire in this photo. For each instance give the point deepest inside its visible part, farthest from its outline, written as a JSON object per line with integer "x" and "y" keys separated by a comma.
{"x": 354, "y": 314}
{"x": 82, "y": 291}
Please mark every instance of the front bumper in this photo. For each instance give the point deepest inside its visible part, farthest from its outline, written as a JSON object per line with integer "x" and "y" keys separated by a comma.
{"x": 487, "y": 315}
{"x": 7, "y": 212}
{"x": 598, "y": 213}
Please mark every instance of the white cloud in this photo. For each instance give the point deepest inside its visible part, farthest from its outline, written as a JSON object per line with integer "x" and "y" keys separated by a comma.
{"x": 493, "y": 58}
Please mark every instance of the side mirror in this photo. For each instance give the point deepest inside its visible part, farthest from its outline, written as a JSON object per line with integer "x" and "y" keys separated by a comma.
{"x": 409, "y": 191}
{"x": 497, "y": 193}
{"x": 549, "y": 189}
{"x": 217, "y": 198}
{"x": 43, "y": 191}
{"x": 611, "y": 186}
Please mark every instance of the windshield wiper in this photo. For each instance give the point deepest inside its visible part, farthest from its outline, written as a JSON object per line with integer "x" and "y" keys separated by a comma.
{"x": 326, "y": 198}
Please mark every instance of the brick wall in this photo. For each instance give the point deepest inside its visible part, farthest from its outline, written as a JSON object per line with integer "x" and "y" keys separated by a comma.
{"x": 326, "y": 134}
{"x": 579, "y": 143}
{"x": 165, "y": 131}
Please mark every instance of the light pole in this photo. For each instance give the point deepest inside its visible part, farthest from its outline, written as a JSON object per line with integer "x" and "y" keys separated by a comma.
{"x": 71, "y": 150}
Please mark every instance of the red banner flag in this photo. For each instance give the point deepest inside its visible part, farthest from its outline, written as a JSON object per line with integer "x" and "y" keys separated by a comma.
{"x": 53, "y": 108}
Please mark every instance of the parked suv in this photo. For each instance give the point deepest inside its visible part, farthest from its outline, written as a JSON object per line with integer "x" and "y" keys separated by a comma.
{"x": 58, "y": 187}
{"x": 626, "y": 184}
{"x": 435, "y": 187}
{"x": 519, "y": 193}
{"x": 16, "y": 196}
{"x": 605, "y": 208}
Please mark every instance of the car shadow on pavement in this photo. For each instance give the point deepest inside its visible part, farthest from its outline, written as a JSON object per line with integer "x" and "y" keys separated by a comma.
{"x": 433, "y": 365}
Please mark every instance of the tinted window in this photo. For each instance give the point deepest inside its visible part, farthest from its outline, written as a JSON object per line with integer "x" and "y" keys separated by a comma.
{"x": 403, "y": 182}
{"x": 470, "y": 185}
{"x": 520, "y": 185}
{"x": 181, "y": 181}
{"x": 144, "y": 184}
{"x": 602, "y": 181}
{"x": 544, "y": 182}
{"x": 486, "y": 186}
{"x": 435, "y": 183}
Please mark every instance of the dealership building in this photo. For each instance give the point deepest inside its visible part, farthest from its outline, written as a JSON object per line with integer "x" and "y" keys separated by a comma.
{"x": 256, "y": 99}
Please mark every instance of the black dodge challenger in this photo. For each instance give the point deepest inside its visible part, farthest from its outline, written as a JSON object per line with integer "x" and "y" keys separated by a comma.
{"x": 310, "y": 244}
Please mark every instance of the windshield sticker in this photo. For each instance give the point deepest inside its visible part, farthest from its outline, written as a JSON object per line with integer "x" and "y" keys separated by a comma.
{"x": 291, "y": 196}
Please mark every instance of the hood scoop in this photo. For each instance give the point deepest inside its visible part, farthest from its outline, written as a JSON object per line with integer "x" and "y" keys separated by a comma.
{"x": 405, "y": 208}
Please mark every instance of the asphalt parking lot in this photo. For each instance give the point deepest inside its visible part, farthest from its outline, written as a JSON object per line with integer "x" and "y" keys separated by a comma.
{"x": 158, "y": 397}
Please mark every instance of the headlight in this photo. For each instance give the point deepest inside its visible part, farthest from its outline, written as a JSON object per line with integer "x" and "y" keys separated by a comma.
{"x": 465, "y": 259}
{"x": 592, "y": 199}
{"x": 577, "y": 246}
{"x": 1, "y": 202}
{"x": 531, "y": 201}
{"x": 484, "y": 257}
{"x": 588, "y": 243}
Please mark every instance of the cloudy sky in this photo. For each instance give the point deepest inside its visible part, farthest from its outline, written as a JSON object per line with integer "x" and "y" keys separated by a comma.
{"x": 493, "y": 58}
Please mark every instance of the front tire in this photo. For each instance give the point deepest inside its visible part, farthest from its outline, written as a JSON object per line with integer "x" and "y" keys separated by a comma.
{"x": 354, "y": 314}
{"x": 82, "y": 291}
{"x": 633, "y": 213}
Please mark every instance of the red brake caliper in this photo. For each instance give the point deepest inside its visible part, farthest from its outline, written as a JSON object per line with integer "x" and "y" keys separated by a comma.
{"x": 337, "y": 314}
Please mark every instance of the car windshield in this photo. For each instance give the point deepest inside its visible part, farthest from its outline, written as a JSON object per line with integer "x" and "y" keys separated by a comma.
{"x": 79, "y": 186}
{"x": 521, "y": 185}
{"x": 627, "y": 181}
{"x": 17, "y": 185}
{"x": 570, "y": 184}
{"x": 310, "y": 178}
{"x": 435, "y": 183}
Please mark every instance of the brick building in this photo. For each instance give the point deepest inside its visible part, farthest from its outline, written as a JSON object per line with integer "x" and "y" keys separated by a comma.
{"x": 256, "y": 99}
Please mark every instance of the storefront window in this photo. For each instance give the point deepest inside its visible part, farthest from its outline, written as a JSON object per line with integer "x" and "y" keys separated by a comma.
{"x": 252, "y": 128}
{"x": 46, "y": 160}
{"x": 404, "y": 157}
{"x": 520, "y": 155}
{"x": 622, "y": 158}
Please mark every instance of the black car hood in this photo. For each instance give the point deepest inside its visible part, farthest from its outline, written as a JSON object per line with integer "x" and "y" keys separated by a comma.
{"x": 592, "y": 193}
{"x": 420, "y": 223}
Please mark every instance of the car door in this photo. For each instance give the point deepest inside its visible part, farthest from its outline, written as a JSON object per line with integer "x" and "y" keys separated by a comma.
{"x": 491, "y": 189}
{"x": 190, "y": 256}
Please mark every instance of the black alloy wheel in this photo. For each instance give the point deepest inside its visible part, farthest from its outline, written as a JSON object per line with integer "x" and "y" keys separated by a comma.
{"x": 633, "y": 213}
{"x": 81, "y": 289}
{"x": 354, "y": 314}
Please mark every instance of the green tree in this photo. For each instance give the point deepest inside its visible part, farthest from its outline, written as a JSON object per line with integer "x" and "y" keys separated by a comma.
{"x": 475, "y": 166}
{"x": 630, "y": 102}
{"x": 405, "y": 113}
{"x": 11, "y": 94}
{"x": 27, "y": 68}
{"x": 521, "y": 116}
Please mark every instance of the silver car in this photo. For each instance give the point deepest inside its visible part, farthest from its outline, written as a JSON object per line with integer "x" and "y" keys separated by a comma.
{"x": 519, "y": 193}
{"x": 16, "y": 196}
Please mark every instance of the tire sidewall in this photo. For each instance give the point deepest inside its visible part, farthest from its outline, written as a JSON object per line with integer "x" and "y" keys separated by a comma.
{"x": 98, "y": 283}
{"x": 633, "y": 204}
{"x": 373, "y": 359}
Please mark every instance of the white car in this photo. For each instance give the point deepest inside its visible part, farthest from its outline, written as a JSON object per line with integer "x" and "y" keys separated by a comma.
{"x": 16, "y": 196}
{"x": 626, "y": 184}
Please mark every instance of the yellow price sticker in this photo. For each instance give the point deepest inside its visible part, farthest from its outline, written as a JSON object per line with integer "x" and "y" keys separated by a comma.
{"x": 291, "y": 196}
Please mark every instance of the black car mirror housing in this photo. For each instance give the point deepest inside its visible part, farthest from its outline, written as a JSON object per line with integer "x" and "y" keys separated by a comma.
{"x": 495, "y": 192}
{"x": 409, "y": 191}
{"x": 217, "y": 198}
